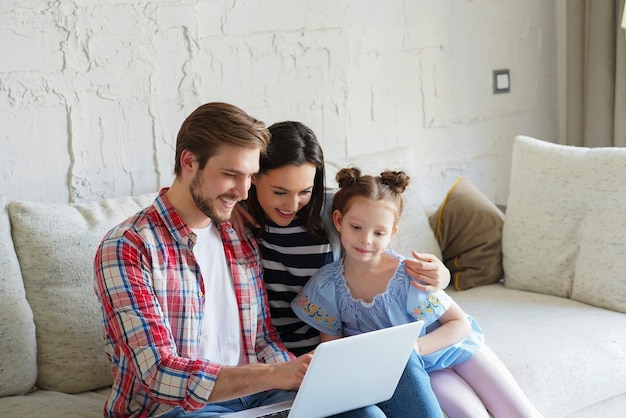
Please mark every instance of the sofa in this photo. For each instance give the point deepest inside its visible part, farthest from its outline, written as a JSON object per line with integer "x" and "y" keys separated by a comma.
{"x": 545, "y": 281}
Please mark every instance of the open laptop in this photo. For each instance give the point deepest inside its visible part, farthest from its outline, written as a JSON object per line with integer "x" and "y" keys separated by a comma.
{"x": 347, "y": 374}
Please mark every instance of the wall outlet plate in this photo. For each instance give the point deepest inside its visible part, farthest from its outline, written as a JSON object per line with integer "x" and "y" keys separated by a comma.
{"x": 501, "y": 81}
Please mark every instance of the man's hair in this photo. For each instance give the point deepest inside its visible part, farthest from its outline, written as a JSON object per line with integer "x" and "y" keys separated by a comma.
{"x": 215, "y": 124}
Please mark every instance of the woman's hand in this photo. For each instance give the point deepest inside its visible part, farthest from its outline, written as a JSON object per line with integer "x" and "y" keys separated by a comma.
{"x": 238, "y": 219}
{"x": 428, "y": 271}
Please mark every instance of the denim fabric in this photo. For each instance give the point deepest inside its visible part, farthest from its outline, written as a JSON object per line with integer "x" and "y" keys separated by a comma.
{"x": 234, "y": 405}
{"x": 259, "y": 399}
{"x": 414, "y": 396}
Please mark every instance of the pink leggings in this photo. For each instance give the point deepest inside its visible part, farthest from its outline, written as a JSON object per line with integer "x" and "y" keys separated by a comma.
{"x": 481, "y": 384}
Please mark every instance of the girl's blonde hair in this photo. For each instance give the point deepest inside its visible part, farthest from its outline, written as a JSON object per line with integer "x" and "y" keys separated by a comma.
{"x": 387, "y": 187}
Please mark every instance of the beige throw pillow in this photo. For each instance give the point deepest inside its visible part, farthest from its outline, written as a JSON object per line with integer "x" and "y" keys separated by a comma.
{"x": 468, "y": 227}
{"x": 565, "y": 230}
{"x": 18, "y": 347}
{"x": 56, "y": 244}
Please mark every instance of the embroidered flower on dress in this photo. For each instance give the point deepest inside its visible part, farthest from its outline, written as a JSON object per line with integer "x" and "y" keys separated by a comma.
{"x": 318, "y": 314}
{"x": 427, "y": 307}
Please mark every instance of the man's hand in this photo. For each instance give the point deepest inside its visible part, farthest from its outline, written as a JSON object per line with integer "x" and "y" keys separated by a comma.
{"x": 237, "y": 381}
{"x": 429, "y": 272}
{"x": 291, "y": 373}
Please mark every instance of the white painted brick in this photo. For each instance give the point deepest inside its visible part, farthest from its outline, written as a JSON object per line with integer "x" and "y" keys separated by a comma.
{"x": 36, "y": 50}
{"x": 103, "y": 86}
{"x": 34, "y": 164}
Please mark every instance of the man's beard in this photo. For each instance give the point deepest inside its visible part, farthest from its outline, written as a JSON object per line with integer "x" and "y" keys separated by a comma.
{"x": 205, "y": 204}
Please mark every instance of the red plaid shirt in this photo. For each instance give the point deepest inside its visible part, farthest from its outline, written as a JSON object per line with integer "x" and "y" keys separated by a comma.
{"x": 152, "y": 296}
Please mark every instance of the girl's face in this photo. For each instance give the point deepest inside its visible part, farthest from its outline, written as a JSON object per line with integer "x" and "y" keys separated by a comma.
{"x": 366, "y": 228}
{"x": 283, "y": 191}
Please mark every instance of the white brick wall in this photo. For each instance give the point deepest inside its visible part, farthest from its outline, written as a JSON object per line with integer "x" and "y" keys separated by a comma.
{"x": 92, "y": 93}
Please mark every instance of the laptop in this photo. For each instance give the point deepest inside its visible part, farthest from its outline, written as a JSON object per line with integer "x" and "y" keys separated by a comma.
{"x": 347, "y": 373}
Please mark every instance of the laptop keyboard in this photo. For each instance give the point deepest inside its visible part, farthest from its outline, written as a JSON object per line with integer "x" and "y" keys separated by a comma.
{"x": 280, "y": 414}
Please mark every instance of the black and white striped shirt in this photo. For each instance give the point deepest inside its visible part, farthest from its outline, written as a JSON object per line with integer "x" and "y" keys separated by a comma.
{"x": 290, "y": 257}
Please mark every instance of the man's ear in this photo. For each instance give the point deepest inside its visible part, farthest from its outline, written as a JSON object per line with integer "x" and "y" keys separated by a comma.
{"x": 393, "y": 231}
{"x": 337, "y": 217}
{"x": 187, "y": 160}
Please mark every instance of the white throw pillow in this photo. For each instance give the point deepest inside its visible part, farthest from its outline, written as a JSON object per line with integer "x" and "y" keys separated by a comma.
{"x": 414, "y": 232}
{"x": 56, "y": 245}
{"x": 18, "y": 347}
{"x": 565, "y": 228}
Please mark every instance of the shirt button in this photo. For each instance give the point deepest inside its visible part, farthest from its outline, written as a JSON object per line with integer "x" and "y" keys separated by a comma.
{"x": 199, "y": 294}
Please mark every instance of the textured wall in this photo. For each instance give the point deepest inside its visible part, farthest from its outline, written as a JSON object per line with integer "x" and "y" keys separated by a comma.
{"x": 92, "y": 92}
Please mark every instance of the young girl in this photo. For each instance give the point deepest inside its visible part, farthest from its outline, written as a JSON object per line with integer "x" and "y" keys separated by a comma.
{"x": 370, "y": 289}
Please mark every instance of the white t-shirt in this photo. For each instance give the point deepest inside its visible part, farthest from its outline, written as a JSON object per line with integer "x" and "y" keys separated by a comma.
{"x": 221, "y": 332}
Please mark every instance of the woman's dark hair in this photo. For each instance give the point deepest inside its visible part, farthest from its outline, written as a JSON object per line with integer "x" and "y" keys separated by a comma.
{"x": 293, "y": 143}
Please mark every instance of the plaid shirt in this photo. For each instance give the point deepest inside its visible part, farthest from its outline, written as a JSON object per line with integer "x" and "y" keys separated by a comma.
{"x": 152, "y": 296}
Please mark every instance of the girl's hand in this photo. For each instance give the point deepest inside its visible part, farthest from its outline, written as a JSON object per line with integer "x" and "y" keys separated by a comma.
{"x": 238, "y": 219}
{"x": 428, "y": 271}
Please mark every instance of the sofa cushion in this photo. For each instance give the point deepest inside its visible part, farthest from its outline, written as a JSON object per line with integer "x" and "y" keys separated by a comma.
{"x": 566, "y": 355}
{"x": 414, "y": 231}
{"x": 18, "y": 348}
{"x": 565, "y": 229}
{"x": 55, "y": 244}
{"x": 468, "y": 227}
{"x": 54, "y": 404}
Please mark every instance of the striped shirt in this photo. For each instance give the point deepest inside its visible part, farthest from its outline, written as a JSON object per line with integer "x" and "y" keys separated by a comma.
{"x": 290, "y": 257}
{"x": 152, "y": 298}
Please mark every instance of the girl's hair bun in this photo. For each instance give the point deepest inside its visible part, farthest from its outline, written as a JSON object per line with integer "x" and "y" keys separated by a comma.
{"x": 398, "y": 181}
{"x": 347, "y": 176}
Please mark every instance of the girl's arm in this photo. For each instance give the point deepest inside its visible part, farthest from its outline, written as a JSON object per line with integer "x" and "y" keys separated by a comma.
{"x": 454, "y": 327}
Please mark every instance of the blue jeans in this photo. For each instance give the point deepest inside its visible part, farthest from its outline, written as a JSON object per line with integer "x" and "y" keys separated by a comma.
{"x": 414, "y": 396}
{"x": 260, "y": 399}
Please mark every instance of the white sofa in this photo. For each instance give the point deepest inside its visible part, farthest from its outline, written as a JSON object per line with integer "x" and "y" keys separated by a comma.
{"x": 557, "y": 320}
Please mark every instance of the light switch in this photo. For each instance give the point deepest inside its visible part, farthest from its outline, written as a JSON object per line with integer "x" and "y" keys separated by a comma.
{"x": 501, "y": 81}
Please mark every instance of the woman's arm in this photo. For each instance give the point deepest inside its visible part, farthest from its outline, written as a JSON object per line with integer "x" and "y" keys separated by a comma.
{"x": 238, "y": 219}
{"x": 429, "y": 272}
{"x": 454, "y": 327}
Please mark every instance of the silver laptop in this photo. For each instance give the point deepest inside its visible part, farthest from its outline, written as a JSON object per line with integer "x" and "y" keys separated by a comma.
{"x": 347, "y": 374}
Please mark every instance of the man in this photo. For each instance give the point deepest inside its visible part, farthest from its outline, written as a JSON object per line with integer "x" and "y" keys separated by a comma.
{"x": 186, "y": 321}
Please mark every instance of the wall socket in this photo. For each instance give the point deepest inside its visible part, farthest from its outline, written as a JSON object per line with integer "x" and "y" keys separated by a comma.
{"x": 501, "y": 81}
